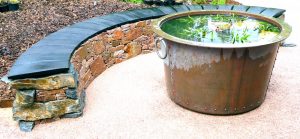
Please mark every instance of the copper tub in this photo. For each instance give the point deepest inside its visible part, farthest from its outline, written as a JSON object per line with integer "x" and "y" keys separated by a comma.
{"x": 220, "y": 79}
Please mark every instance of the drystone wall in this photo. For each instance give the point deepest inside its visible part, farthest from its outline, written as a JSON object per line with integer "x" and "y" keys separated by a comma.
{"x": 109, "y": 48}
{"x": 62, "y": 96}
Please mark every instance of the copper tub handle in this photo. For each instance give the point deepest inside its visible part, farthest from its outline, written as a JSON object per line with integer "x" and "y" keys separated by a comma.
{"x": 159, "y": 39}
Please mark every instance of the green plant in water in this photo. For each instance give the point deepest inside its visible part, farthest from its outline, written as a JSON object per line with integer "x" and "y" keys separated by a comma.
{"x": 264, "y": 26}
{"x": 245, "y": 36}
{"x": 236, "y": 37}
{"x": 211, "y": 35}
{"x": 188, "y": 20}
{"x": 220, "y": 28}
{"x": 192, "y": 33}
{"x": 196, "y": 33}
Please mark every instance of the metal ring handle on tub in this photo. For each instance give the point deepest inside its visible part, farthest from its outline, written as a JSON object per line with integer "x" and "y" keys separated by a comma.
{"x": 159, "y": 39}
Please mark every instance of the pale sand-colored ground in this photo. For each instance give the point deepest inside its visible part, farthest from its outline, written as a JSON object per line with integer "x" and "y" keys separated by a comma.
{"x": 130, "y": 100}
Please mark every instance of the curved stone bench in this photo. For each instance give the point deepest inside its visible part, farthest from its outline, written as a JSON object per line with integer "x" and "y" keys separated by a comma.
{"x": 51, "y": 76}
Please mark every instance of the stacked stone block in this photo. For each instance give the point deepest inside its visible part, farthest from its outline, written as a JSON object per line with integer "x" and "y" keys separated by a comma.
{"x": 45, "y": 98}
{"x": 109, "y": 48}
{"x": 62, "y": 96}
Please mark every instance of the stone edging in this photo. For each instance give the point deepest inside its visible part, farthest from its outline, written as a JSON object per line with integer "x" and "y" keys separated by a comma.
{"x": 49, "y": 86}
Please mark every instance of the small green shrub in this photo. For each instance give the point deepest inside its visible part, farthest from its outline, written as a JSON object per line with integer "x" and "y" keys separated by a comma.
{"x": 199, "y": 1}
{"x": 214, "y": 2}
{"x": 14, "y": 1}
{"x": 218, "y": 2}
{"x": 133, "y": 1}
{"x": 9, "y": 1}
{"x": 3, "y": 2}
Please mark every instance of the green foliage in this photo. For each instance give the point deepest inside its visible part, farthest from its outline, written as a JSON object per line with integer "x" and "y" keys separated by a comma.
{"x": 245, "y": 36}
{"x": 236, "y": 37}
{"x": 199, "y": 1}
{"x": 9, "y": 1}
{"x": 214, "y": 2}
{"x": 133, "y": 1}
{"x": 264, "y": 26}
{"x": 3, "y": 1}
{"x": 14, "y": 1}
{"x": 218, "y": 2}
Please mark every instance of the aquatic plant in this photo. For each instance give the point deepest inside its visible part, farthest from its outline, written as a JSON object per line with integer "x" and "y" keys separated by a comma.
{"x": 225, "y": 28}
{"x": 240, "y": 38}
{"x": 264, "y": 26}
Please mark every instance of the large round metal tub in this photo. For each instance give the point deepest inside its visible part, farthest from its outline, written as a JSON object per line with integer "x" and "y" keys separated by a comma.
{"x": 220, "y": 79}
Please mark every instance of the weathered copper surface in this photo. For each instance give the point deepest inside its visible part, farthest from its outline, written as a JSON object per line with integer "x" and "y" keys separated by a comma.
{"x": 219, "y": 79}
{"x": 227, "y": 81}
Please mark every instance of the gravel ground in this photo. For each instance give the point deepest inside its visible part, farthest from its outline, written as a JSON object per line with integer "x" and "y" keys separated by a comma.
{"x": 38, "y": 18}
{"x": 129, "y": 100}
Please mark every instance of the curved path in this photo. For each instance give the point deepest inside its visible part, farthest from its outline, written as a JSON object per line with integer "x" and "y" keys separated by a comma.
{"x": 129, "y": 100}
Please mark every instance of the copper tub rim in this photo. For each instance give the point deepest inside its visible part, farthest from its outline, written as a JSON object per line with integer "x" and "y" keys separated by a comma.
{"x": 284, "y": 27}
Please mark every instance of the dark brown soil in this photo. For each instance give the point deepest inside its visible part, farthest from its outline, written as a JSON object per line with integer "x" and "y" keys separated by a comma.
{"x": 38, "y": 18}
